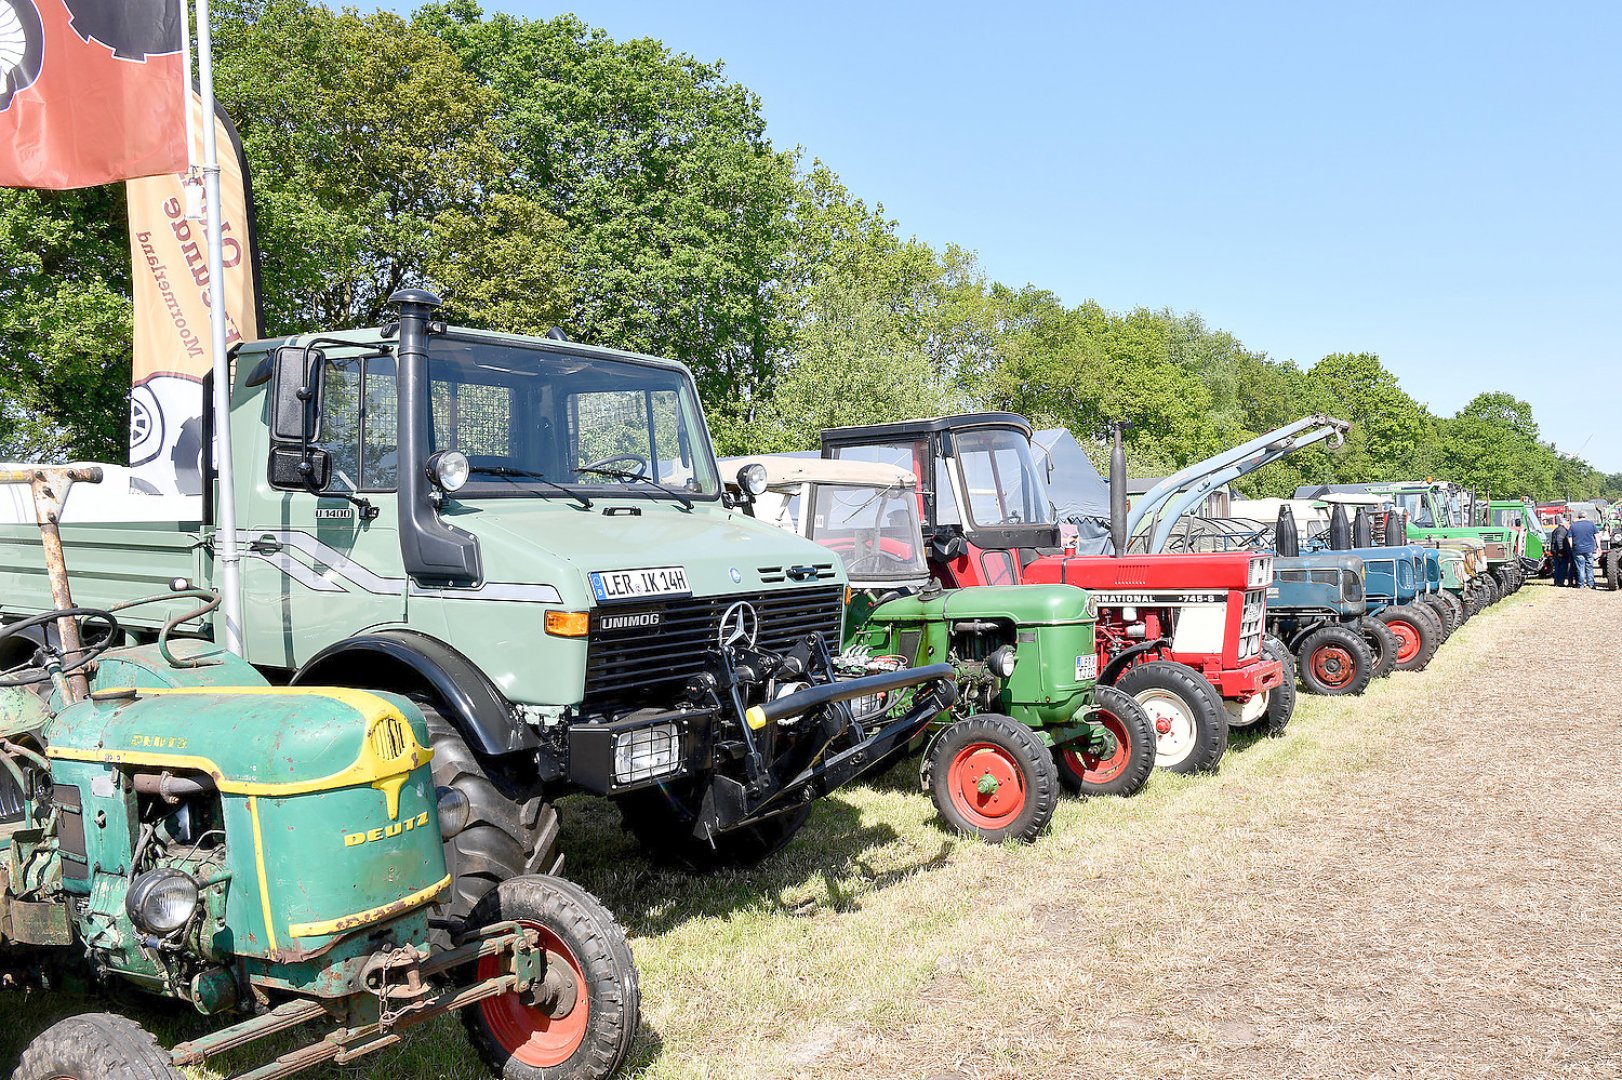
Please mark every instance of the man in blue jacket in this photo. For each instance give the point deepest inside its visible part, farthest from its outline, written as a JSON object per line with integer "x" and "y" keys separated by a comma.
{"x": 1584, "y": 544}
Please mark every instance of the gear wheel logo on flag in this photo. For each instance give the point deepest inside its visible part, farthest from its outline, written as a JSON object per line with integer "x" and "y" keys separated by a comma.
{"x": 133, "y": 29}
{"x": 21, "y": 48}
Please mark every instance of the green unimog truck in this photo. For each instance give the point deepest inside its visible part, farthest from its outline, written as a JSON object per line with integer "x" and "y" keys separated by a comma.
{"x": 528, "y": 538}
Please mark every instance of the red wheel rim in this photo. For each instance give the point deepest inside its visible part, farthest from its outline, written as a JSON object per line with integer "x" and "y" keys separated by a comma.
{"x": 1333, "y": 665}
{"x": 1098, "y": 770}
{"x": 528, "y": 1034}
{"x": 986, "y": 785}
{"x": 1407, "y": 640}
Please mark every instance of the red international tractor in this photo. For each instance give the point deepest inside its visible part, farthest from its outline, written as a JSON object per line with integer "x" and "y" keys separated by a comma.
{"x": 1181, "y": 633}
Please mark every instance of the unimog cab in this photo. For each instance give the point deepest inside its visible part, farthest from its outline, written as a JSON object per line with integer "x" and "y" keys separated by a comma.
{"x": 528, "y": 537}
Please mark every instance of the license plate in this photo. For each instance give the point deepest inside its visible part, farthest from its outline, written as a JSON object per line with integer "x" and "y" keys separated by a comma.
{"x": 611, "y": 585}
{"x": 1087, "y": 668}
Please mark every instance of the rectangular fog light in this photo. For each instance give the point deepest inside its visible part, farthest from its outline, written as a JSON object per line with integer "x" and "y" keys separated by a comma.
{"x": 645, "y": 753}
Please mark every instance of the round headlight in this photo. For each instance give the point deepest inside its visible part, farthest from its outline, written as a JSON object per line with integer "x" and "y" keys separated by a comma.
{"x": 161, "y": 901}
{"x": 752, "y": 478}
{"x": 448, "y": 469}
{"x": 1001, "y": 662}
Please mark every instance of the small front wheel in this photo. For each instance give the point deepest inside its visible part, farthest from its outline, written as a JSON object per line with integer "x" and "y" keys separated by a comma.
{"x": 578, "y": 1023}
{"x": 1335, "y": 661}
{"x": 1126, "y": 770}
{"x": 991, "y": 776}
{"x": 1191, "y": 726}
{"x": 1418, "y": 635}
{"x": 92, "y": 1047}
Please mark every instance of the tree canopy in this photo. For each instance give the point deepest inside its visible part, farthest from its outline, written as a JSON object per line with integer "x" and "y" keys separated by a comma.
{"x": 538, "y": 172}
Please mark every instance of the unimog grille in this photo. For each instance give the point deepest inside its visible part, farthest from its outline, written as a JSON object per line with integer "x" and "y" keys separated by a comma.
{"x": 646, "y": 666}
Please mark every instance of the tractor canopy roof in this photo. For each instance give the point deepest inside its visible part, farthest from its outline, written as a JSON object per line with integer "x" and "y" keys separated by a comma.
{"x": 793, "y": 470}
{"x": 926, "y": 426}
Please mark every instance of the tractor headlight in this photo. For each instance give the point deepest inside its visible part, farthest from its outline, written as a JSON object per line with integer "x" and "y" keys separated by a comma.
{"x": 161, "y": 901}
{"x": 646, "y": 752}
{"x": 752, "y": 479}
{"x": 455, "y": 811}
{"x": 448, "y": 469}
{"x": 1001, "y": 662}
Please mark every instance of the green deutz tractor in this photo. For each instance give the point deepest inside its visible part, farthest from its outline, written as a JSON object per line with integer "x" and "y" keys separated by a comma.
{"x": 271, "y": 857}
{"x": 1030, "y": 717}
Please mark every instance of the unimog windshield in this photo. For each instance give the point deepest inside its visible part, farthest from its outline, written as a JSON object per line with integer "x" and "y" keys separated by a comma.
{"x": 533, "y": 422}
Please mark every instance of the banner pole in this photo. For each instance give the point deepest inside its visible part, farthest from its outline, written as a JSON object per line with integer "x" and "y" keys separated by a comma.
{"x": 229, "y": 577}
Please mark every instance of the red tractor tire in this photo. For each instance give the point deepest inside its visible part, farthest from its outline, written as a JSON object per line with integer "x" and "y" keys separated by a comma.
{"x": 1418, "y": 632}
{"x": 1335, "y": 661}
{"x": 992, "y": 777}
{"x": 1126, "y": 771}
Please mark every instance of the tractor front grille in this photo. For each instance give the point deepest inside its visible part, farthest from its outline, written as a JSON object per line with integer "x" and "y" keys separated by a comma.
{"x": 645, "y": 667}
{"x": 1251, "y": 623}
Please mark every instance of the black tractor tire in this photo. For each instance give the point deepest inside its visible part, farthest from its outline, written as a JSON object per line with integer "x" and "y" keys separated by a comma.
{"x": 1195, "y": 732}
{"x": 1490, "y": 591}
{"x": 1128, "y": 769}
{"x": 1419, "y": 633}
{"x": 1461, "y": 614}
{"x": 519, "y": 1040}
{"x": 1444, "y": 611}
{"x": 993, "y": 778}
{"x": 1382, "y": 643}
{"x": 1613, "y": 570}
{"x": 95, "y": 1046}
{"x": 505, "y": 834}
{"x": 1281, "y": 699}
{"x": 1335, "y": 661}
{"x": 661, "y": 819}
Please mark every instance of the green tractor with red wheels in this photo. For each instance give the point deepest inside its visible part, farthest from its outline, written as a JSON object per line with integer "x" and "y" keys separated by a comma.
{"x": 1030, "y": 718}
{"x": 270, "y": 857}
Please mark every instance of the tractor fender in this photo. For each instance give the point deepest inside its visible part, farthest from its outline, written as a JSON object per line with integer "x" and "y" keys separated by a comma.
{"x": 404, "y": 660}
{"x": 1117, "y": 667}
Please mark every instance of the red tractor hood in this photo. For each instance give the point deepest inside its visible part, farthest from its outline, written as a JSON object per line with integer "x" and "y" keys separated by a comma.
{"x": 1224, "y": 570}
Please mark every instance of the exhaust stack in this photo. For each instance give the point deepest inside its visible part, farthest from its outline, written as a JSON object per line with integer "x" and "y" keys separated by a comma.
{"x": 1362, "y": 529}
{"x": 1287, "y": 540}
{"x": 1117, "y": 489}
{"x": 1396, "y": 530}
{"x": 1340, "y": 530}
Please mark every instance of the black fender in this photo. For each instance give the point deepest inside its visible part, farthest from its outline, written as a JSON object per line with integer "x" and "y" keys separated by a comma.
{"x": 404, "y": 660}
{"x": 1123, "y": 660}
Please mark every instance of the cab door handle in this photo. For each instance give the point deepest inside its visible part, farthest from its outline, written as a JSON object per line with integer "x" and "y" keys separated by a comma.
{"x": 265, "y": 545}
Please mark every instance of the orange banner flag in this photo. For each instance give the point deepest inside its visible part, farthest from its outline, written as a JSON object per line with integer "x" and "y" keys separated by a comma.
{"x": 169, "y": 263}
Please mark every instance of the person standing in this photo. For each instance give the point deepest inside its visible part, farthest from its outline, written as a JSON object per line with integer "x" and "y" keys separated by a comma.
{"x": 1584, "y": 546}
{"x": 1560, "y": 551}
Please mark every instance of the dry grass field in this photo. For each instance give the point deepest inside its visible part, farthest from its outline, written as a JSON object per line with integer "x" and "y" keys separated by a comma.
{"x": 1419, "y": 882}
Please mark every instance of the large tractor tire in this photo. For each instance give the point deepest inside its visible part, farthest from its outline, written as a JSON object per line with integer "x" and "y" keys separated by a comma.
{"x": 992, "y": 777}
{"x": 1382, "y": 643}
{"x": 1461, "y": 614}
{"x": 1123, "y": 772}
{"x": 95, "y": 1046}
{"x": 1335, "y": 661}
{"x": 1490, "y": 592}
{"x": 1613, "y": 569}
{"x": 662, "y": 819}
{"x": 500, "y": 833}
{"x": 1191, "y": 726}
{"x": 579, "y": 1024}
{"x": 1281, "y": 699}
{"x": 1418, "y": 635}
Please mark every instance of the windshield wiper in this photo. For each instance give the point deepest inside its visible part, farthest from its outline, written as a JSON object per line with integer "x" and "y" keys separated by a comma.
{"x": 530, "y": 474}
{"x": 627, "y": 475}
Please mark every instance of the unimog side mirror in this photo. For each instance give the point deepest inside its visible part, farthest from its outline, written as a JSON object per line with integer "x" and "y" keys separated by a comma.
{"x": 295, "y": 418}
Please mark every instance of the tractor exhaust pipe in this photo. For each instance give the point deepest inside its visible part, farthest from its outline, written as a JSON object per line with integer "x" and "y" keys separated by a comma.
{"x": 1362, "y": 529}
{"x": 1117, "y": 489}
{"x": 1287, "y": 540}
{"x": 1396, "y": 530}
{"x": 1340, "y": 530}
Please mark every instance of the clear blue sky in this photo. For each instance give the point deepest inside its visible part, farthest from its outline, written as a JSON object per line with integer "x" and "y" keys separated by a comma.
{"x": 1436, "y": 183}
